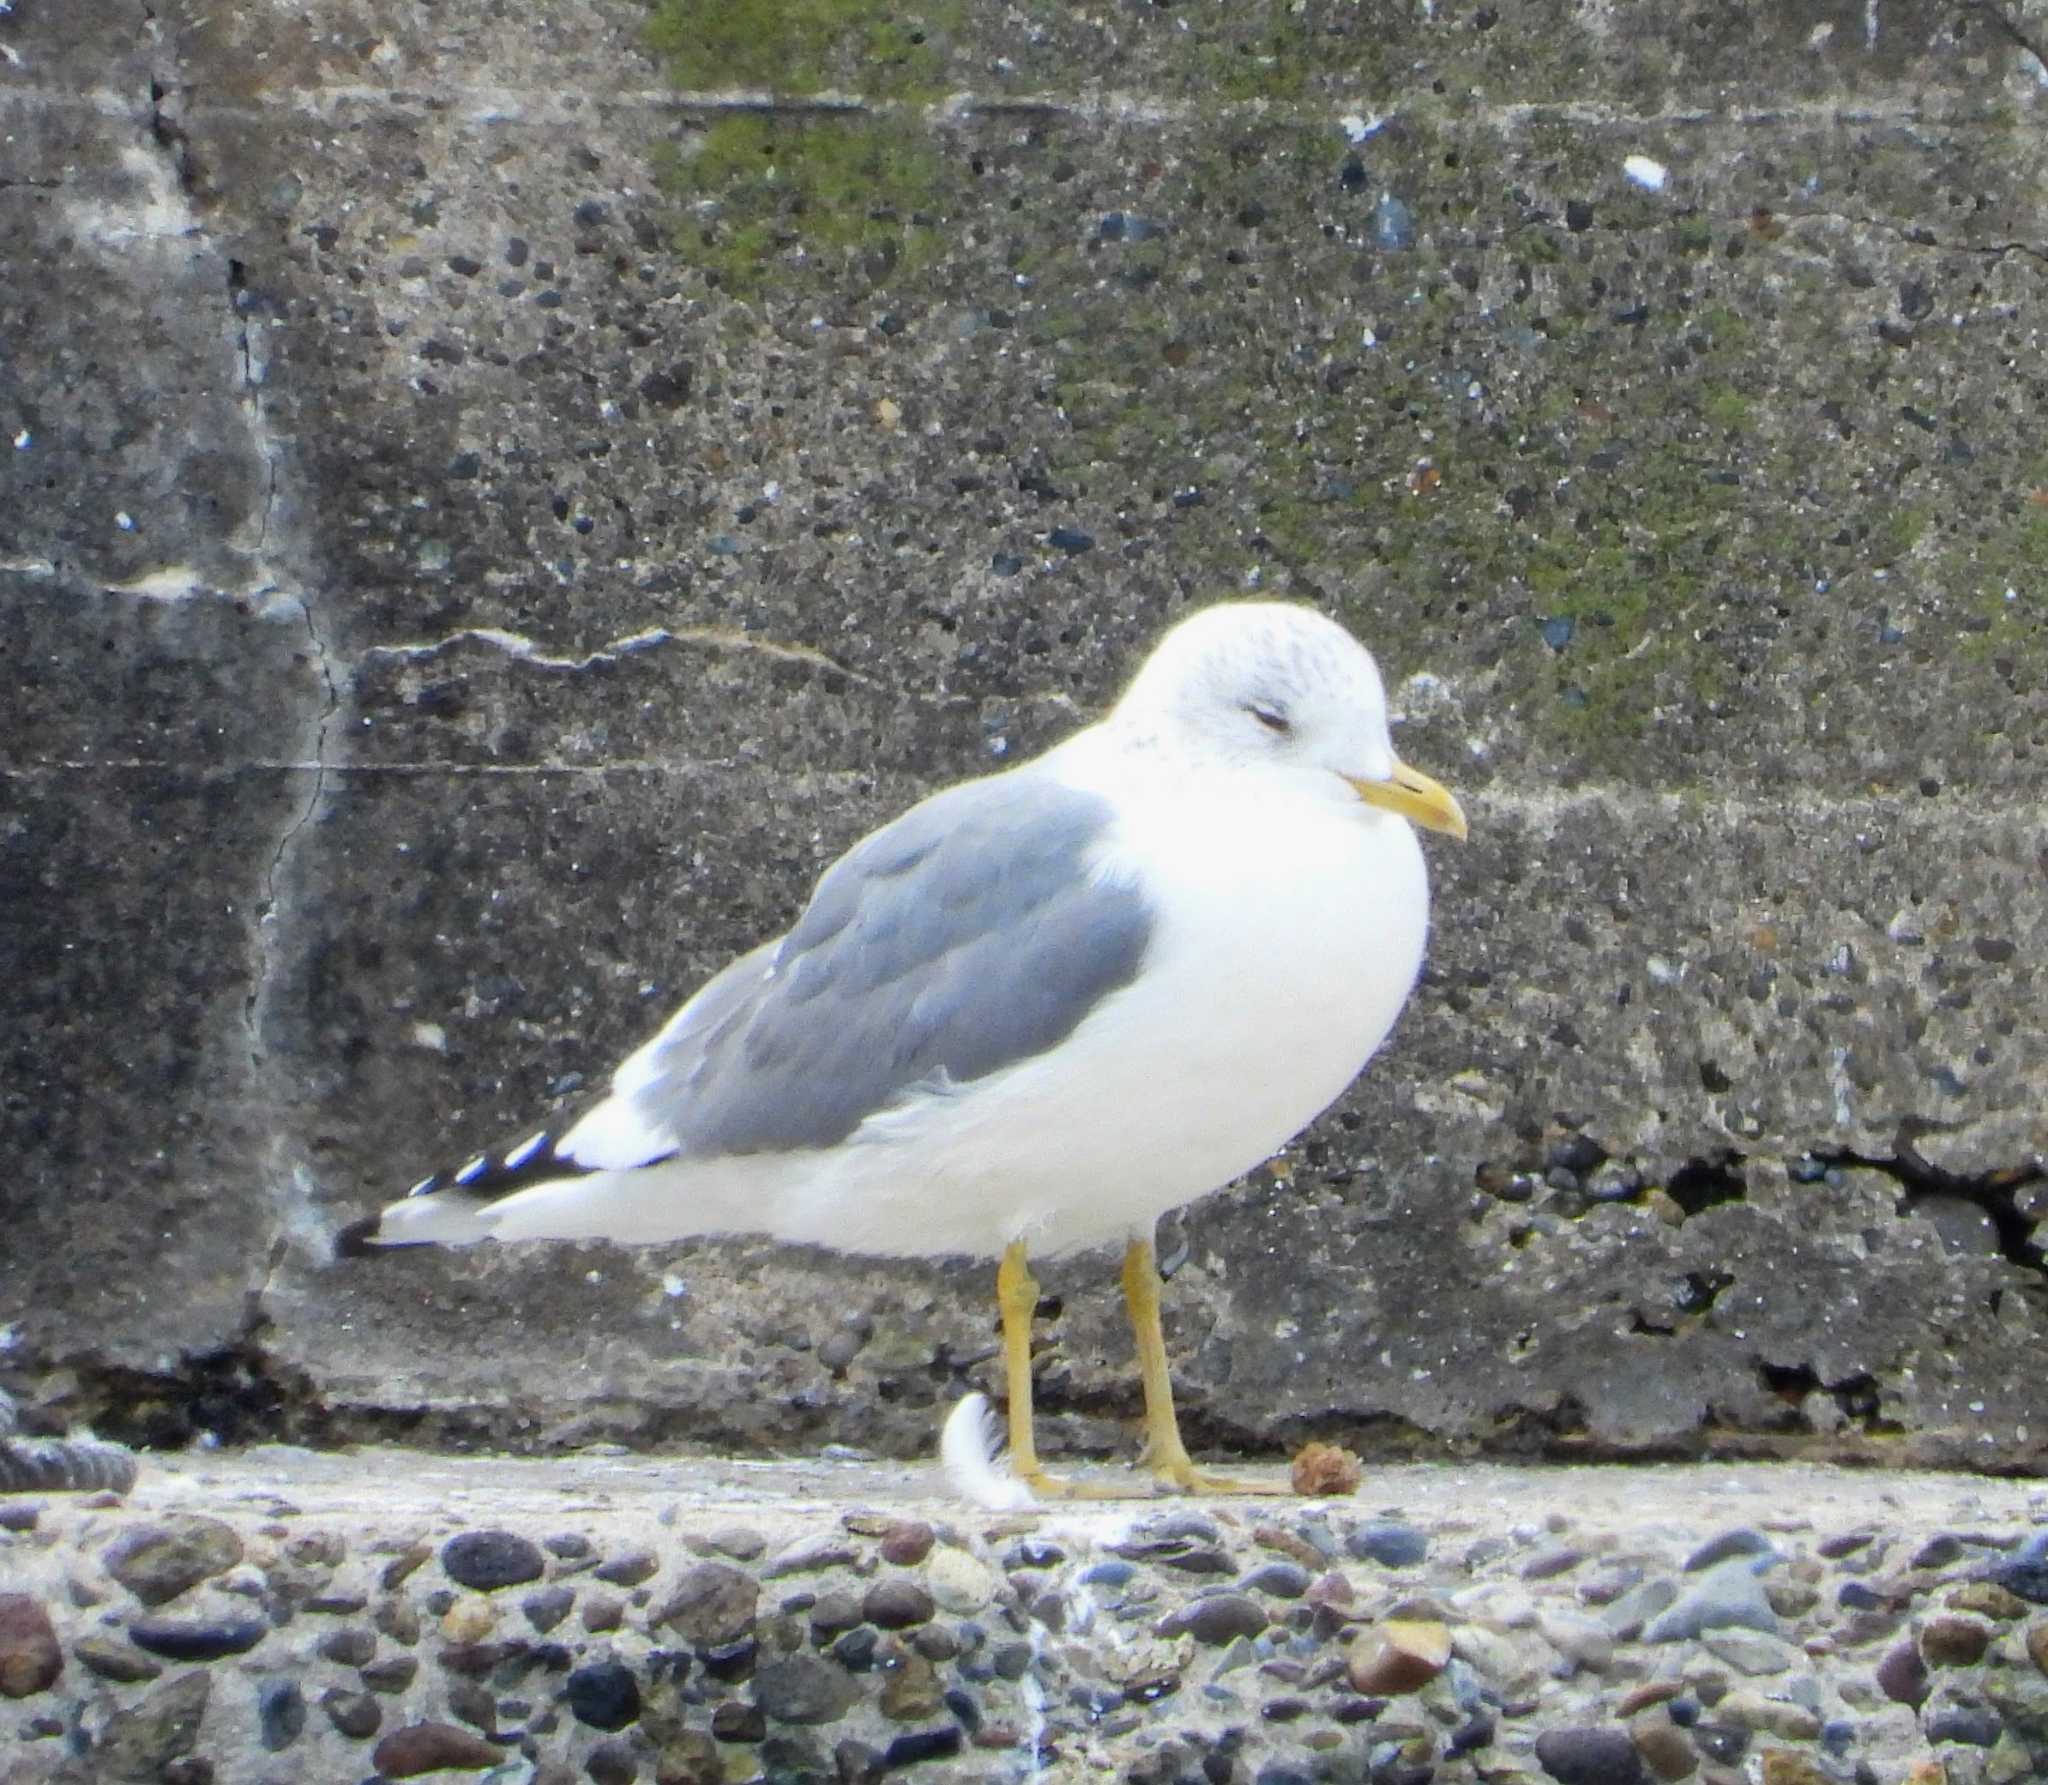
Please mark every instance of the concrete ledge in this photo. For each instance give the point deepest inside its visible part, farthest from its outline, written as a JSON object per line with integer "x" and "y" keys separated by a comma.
{"x": 283, "y": 1613}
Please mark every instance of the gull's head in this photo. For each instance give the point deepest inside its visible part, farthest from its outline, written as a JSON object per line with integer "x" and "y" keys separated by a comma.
{"x": 1279, "y": 689}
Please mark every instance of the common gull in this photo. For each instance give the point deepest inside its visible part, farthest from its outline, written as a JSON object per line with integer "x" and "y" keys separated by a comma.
{"x": 1036, "y": 1011}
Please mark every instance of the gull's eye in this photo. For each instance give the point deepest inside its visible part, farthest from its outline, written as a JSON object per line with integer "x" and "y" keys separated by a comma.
{"x": 1272, "y": 719}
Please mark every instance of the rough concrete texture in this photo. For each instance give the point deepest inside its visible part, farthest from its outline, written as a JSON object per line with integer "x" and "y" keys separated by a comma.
{"x": 285, "y": 1614}
{"x": 458, "y": 591}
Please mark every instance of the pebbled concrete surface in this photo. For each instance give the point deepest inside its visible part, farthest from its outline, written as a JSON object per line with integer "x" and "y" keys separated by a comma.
{"x": 454, "y": 600}
{"x": 700, "y": 1620}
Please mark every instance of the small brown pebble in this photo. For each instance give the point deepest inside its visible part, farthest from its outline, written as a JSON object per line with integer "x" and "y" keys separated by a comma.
{"x": 1791, "y": 1599}
{"x": 1902, "y": 1676}
{"x": 741, "y": 1542}
{"x": 431, "y": 1747}
{"x": 469, "y": 1620}
{"x": 1748, "y": 1709}
{"x": 690, "y": 1757}
{"x": 1333, "y": 1589}
{"x": 602, "y": 1611}
{"x": 474, "y": 1704}
{"x": 711, "y": 1603}
{"x": 804, "y": 1689}
{"x": 315, "y": 1549}
{"x": 1988, "y": 1599}
{"x": 1843, "y": 1544}
{"x": 30, "y": 1659}
{"x": 396, "y": 1619}
{"x": 1400, "y": 1655}
{"x": 2037, "y": 1646}
{"x": 402, "y": 1565}
{"x": 1953, "y": 1641}
{"x": 351, "y": 1647}
{"x": 115, "y": 1661}
{"x": 907, "y": 1542}
{"x": 807, "y": 1555}
{"x": 1326, "y": 1471}
{"x": 911, "y": 1692}
{"x": 832, "y": 1613}
{"x": 472, "y": 1660}
{"x": 612, "y": 1763}
{"x": 355, "y": 1714}
{"x": 546, "y": 1607}
{"x": 488, "y": 1560}
{"x": 1552, "y": 1562}
{"x": 1650, "y": 1692}
{"x": 896, "y": 1604}
{"x": 391, "y": 1675}
{"x": 1295, "y": 1548}
{"x": 1663, "y": 1745}
{"x": 1216, "y": 1619}
{"x": 935, "y": 1642}
{"x": 630, "y": 1569}
{"x": 1588, "y": 1755}
{"x": 1927, "y": 1772}
{"x": 734, "y": 1721}
{"x": 157, "y": 1563}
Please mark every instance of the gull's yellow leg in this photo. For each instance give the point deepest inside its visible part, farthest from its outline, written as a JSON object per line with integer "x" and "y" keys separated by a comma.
{"x": 1017, "y": 1297}
{"x": 1165, "y": 1455}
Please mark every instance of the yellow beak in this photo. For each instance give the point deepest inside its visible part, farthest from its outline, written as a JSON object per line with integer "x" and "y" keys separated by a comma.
{"x": 1416, "y": 798}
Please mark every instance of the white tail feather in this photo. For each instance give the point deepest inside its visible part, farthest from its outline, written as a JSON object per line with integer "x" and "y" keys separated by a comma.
{"x": 967, "y": 1449}
{"x": 446, "y": 1220}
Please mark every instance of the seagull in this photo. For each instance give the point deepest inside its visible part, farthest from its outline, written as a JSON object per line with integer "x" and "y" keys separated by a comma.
{"x": 1035, "y": 1012}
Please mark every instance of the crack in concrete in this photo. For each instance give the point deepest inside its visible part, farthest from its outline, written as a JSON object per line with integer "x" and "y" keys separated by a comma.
{"x": 1994, "y": 1190}
{"x": 1911, "y": 235}
{"x": 32, "y": 773}
{"x": 715, "y": 638}
{"x": 320, "y": 768}
{"x": 270, "y": 594}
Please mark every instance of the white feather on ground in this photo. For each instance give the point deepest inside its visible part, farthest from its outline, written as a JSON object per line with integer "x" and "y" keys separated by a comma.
{"x": 968, "y": 1448}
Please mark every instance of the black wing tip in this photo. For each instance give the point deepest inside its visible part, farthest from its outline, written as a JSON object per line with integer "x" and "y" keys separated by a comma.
{"x": 484, "y": 1177}
{"x": 359, "y": 1238}
{"x": 500, "y": 1172}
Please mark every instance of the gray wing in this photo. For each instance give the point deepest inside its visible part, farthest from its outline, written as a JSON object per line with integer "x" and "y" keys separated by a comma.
{"x": 968, "y": 935}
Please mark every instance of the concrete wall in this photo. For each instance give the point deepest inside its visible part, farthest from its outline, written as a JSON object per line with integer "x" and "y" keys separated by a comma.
{"x": 456, "y": 593}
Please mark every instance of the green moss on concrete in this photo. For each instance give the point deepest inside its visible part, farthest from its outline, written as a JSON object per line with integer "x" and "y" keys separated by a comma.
{"x": 797, "y": 47}
{"x": 765, "y": 184}
{"x": 1723, "y": 406}
{"x": 1725, "y": 330}
{"x": 1996, "y": 579}
{"x": 1896, "y": 531}
{"x": 1258, "y": 65}
{"x": 762, "y": 184}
